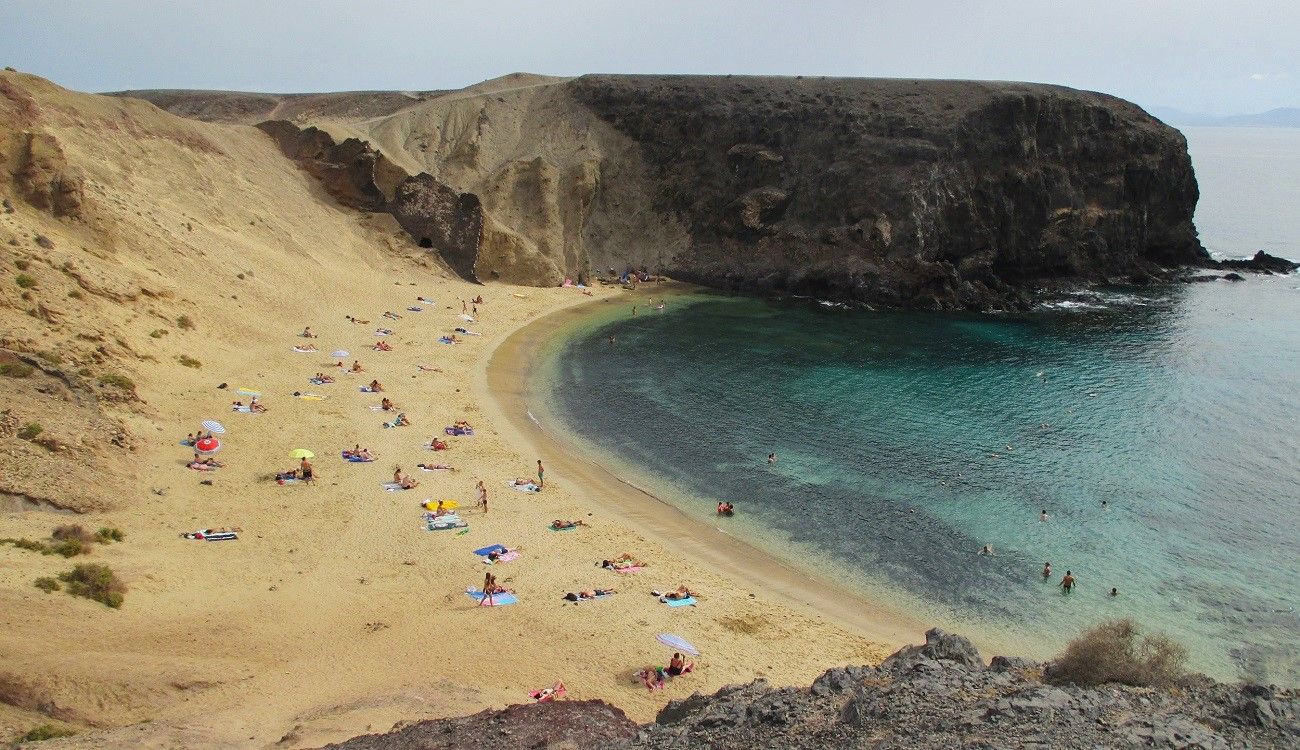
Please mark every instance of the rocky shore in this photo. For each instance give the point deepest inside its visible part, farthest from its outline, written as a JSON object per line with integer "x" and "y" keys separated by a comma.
{"x": 938, "y": 695}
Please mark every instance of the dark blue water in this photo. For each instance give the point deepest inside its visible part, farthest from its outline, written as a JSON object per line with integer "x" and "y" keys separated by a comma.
{"x": 1160, "y": 431}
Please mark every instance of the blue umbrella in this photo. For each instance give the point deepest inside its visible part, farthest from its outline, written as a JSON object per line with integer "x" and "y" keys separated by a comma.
{"x": 213, "y": 427}
{"x": 677, "y": 643}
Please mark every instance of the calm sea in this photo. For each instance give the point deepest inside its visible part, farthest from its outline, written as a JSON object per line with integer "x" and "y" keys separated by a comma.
{"x": 1159, "y": 429}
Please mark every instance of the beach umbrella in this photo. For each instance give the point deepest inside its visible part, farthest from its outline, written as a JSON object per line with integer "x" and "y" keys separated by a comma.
{"x": 677, "y": 643}
{"x": 446, "y": 505}
{"x": 213, "y": 427}
{"x": 249, "y": 392}
{"x": 208, "y": 445}
{"x": 339, "y": 353}
{"x": 301, "y": 453}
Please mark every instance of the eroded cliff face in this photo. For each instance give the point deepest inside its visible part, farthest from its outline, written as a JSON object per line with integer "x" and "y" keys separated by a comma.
{"x": 933, "y": 194}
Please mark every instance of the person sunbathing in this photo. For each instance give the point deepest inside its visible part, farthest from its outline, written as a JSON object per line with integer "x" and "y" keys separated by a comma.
{"x": 429, "y": 368}
{"x": 256, "y": 406}
{"x": 189, "y": 440}
{"x": 462, "y": 424}
{"x": 322, "y": 377}
{"x": 653, "y": 677}
{"x": 401, "y": 421}
{"x": 356, "y": 366}
{"x": 358, "y": 321}
{"x": 209, "y": 461}
{"x": 383, "y": 331}
{"x": 676, "y": 596}
{"x": 307, "y": 334}
{"x": 434, "y": 467}
{"x": 376, "y": 387}
{"x": 306, "y": 348}
{"x": 386, "y": 404}
{"x": 382, "y": 346}
{"x": 405, "y": 481}
{"x": 439, "y": 445}
{"x": 559, "y": 524}
{"x": 392, "y": 315}
{"x": 525, "y": 482}
{"x": 452, "y": 338}
{"x": 678, "y": 666}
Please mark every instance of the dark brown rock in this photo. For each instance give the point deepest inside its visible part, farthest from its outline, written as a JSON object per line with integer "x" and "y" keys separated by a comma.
{"x": 442, "y": 219}
{"x": 353, "y": 172}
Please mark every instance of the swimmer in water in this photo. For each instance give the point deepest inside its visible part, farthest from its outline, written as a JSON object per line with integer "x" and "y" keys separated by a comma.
{"x": 1047, "y": 570}
{"x": 1105, "y": 505}
{"x": 1114, "y": 591}
{"x": 771, "y": 458}
{"x": 1067, "y": 583}
{"x": 988, "y": 550}
{"x": 1043, "y": 516}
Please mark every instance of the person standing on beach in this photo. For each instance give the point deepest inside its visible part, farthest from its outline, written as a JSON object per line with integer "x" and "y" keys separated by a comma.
{"x": 308, "y": 473}
{"x": 541, "y": 474}
{"x": 1067, "y": 583}
{"x": 481, "y": 501}
{"x": 489, "y": 588}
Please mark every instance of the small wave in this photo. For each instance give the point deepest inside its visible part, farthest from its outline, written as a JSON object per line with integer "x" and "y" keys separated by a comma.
{"x": 1070, "y": 304}
{"x": 533, "y": 419}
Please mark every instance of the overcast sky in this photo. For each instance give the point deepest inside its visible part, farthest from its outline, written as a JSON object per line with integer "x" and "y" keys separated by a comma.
{"x": 1221, "y": 57}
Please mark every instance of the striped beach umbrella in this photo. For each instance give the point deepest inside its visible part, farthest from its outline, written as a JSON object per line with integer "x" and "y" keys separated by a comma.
{"x": 213, "y": 426}
{"x": 677, "y": 643}
{"x": 339, "y": 353}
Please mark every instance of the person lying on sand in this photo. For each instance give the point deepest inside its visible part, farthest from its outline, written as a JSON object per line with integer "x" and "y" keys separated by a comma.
{"x": 382, "y": 346}
{"x": 468, "y": 332}
{"x": 583, "y": 596}
{"x": 673, "y": 596}
{"x": 462, "y": 424}
{"x": 322, "y": 377}
{"x": 307, "y": 334}
{"x": 439, "y": 445}
{"x": 452, "y": 338}
{"x": 358, "y": 321}
{"x": 435, "y": 467}
{"x": 360, "y": 453}
{"x": 495, "y": 554}
{"x": 678, "y": 666}
{"x": 622, "y": 562}
{"x": 392, "y": 315}
{"x": 204, "y": 533}
{"x": 405, "y": 481}
{"x": 376, "y": 387}
{"x": 386, "y": 404}
{"x": 305, "y": 348}
{"x": 653, "y": 677}
{"x": 429, "y": 368}
{"x": 205, "y": 462}
{"x": 559, "y": 524}
{"x": 383, "y": 332}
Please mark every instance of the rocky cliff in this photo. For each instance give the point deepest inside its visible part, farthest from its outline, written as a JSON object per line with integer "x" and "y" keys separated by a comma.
{"x": 932, "y": 194}
{"x": 939, "y": 695}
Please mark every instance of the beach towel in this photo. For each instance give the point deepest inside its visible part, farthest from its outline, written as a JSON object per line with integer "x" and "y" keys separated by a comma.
{"x": 301, "y": 350}
{"x": 355, "y": 459}
{"x": 413, "y": 308}
{"x": 498, "y": 600}
{"x": 485, "y": 551}
{"x": 214, "y": 536}
{"x": 318, "y": 381}
{"x": 310, "y": 397}
{"x": 523, "y": 487}
{"x": 446, "y": 523}
{"x": 679, "y": 602}
{"x": 366, "y": 389}
{"x": 566, "y": 528}
{"x": 507, "y": 557}
{"x": 287, "y": 480}
{"x": 433, "y": 468}
{"x": 391, "y": 486}
{"x": 467, "y": 318}
{"x": 187, "y": 443}
{"x": 445, "y": 340}
{"x": 249, "y": 392}
{"x": 241, "y": 409}
{"x": 629, "y": 569}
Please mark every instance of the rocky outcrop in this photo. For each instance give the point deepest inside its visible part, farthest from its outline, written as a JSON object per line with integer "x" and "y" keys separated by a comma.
{"x": 938, "y": 695}
{"x": 440, "y": 218}
{"x": 1261, "y": 262}
{"x": 353, "y": 172}
{"x": 41, "y": 173}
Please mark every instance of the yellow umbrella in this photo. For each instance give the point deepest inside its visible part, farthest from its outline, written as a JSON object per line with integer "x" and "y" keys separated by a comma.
{"x": 302, "y": 453}
{"x": 446, "y": 505}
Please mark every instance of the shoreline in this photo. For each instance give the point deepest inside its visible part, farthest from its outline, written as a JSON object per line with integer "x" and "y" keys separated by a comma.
{"x": 506, "y": 377}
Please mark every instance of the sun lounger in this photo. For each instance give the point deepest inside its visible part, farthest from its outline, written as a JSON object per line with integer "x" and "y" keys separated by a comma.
{"x": 498, "y": 600}
{"x": 688, "y": 601}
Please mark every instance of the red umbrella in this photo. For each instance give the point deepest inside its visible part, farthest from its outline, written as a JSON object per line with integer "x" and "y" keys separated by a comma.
{"x": 208, "y": 445}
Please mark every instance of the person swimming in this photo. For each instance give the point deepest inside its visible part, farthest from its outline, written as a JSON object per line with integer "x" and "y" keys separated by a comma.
{"x": 1114, "y": 591}
{"x": 987, "y": 550}
{"x": 1047, "y": 570}
{"x": 1067, "y": 583}
{"x": 771, "y": 458}
{"x": 1042, "y": 517}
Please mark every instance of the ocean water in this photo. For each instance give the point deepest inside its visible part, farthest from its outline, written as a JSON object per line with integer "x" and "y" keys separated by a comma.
{"x": 1159, "y": 429}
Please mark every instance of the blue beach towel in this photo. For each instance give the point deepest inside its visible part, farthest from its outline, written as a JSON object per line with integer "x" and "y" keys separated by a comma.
{"x": 353, "y": 459}
{"x": 365, "y": 389}
{"x": 485, "y": 551}
{"x": 567, "y": 528}
{"x": 680, "y": 602}
{"x": 498, "y": 600}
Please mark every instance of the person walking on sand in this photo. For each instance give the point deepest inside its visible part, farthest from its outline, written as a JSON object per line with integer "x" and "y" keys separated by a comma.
{"x": 541, "y": 474}
{"x": 481, "y": 501}
{"x": 1067, "y": 583}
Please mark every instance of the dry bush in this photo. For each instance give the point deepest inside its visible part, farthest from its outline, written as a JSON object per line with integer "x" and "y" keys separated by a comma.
{"x": 1116, "y": 651}
{"x": 72, "y": 531}
{"x": 96, "y": 582}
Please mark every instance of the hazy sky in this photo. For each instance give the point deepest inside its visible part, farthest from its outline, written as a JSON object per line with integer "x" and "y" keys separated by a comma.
{"x": 1219, "y": 57}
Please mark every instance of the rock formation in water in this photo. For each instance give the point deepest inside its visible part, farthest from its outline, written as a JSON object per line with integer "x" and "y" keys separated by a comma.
{"x": 932, "y": 194}
{"x": 939, "y": 695}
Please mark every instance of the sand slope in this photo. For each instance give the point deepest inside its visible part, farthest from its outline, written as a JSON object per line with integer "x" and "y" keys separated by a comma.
{"x": 336, "y": 612}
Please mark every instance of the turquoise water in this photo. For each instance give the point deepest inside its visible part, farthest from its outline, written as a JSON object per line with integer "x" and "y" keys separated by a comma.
{"x": 907, "y": 441}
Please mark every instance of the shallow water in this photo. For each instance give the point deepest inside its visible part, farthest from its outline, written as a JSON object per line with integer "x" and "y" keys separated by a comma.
{"x": 906, "y": 441}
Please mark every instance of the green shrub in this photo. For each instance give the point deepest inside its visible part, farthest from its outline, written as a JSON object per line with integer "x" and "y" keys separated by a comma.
{"x": 117, "y": 381}
{"x": 13, "y": 369}
{"x": 27, "y": 544}
{"x": 25, "y": 281}
{"x": 189, "y": 361}
{"x": 1115, "y": 651}
{"x": 53, "y": 358}
{"x": 46, "y": 732}
{"x": 157, "y": 333}
{"x": 29, "y": 431}
{"x": 22, "y": 265}
{"x": 84, "y": 372}
{"x": 97, "y": 582}
{"x": 70, "y": 548}
{"x": 109, "y": 534}
{"x": 47, "y": 584}
{"x": 184, "y": 323}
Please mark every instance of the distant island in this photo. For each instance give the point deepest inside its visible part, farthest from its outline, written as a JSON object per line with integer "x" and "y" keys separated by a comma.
{"x": 1282, "y": 117}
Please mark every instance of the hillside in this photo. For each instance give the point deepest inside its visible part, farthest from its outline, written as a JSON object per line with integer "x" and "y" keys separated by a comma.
{"x": 932, "y": 194}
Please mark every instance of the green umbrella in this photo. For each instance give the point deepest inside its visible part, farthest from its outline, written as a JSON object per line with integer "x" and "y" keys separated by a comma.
{"x": 302, "y": 453}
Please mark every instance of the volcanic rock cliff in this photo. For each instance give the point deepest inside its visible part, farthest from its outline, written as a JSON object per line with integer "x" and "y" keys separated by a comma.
{"x": 933, "y": 194}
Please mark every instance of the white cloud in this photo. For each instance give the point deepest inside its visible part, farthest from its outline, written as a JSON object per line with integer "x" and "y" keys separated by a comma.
{"x": 1258, "y": 76}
